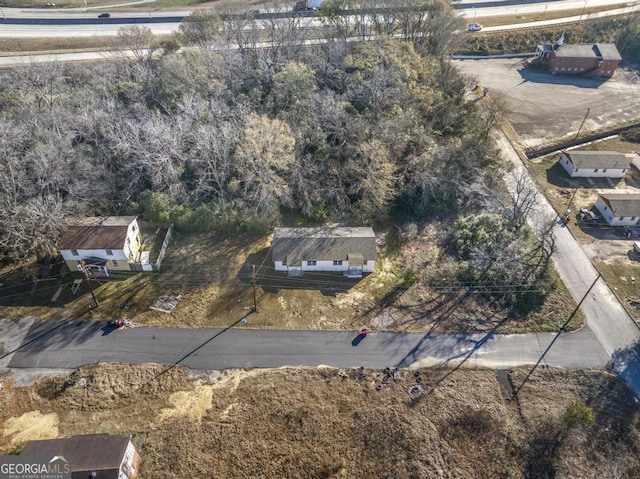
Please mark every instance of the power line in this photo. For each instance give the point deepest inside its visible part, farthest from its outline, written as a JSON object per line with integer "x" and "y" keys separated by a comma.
{"x": 562, "y": 328}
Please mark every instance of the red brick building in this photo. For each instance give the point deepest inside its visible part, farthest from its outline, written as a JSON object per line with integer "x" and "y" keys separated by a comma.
{"x": 588, "y": 59}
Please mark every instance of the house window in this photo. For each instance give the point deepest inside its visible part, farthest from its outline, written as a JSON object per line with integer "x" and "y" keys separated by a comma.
{"x": 74, "y": 252}
{"x": 284, "y": 262}
{"x": 312, "y": 263}
{"x": 337, "y": 263}
{"x": 128, "y": 241}
{"x": 633, "y": 218}
{"x": 596, "y": 170}
{"x": 109, "y": 252}
{"x": 604, "y": 171}
{"x": 622, "y": 218}
{"x": 114, "y": 263}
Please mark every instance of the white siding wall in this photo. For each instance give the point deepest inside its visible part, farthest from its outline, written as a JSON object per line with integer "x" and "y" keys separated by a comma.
{"x": 327, "y": 266}
{"x": 610, "y": 219}
{"x": 566, "y": 164}
{"x": 131, "y": 249}
{"x": 118, "y": 255}
{"x": 368, "y": 268}
{"x": 590, "y": 172}
{"x": 128, "y": 460}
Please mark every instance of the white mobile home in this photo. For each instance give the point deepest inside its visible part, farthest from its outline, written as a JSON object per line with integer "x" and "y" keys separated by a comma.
{"x": 595, "y": 164}
{"x": 619, "y": 209}
{"x": 350, "y": 250}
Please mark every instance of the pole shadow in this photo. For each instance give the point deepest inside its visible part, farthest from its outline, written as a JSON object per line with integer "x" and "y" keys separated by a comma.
{"x": 242, "y": 320}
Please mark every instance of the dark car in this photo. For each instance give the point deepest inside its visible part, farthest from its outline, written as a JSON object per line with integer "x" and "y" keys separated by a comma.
{"x": 104, "y": 15}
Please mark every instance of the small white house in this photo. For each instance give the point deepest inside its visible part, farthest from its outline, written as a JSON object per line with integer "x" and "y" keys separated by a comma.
{"x": 350, "y": 250}
{"x": 104, "y": 243}
{"x": 595, "y": 164}
{"x": 99, "y": 456}
{"x": 619, "y": 209}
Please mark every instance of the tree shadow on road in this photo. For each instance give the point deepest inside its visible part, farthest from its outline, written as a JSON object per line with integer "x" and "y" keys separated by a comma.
{"x": 459, "y": 359}
{"x": 193, "y": 351}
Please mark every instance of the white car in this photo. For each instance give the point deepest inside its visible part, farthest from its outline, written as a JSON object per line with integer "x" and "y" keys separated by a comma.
{"x": 474, "y": 27}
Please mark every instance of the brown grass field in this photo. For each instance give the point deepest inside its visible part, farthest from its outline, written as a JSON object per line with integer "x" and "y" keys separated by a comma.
{"x": 325, "y": 423}
{"x": 212, "y": 273}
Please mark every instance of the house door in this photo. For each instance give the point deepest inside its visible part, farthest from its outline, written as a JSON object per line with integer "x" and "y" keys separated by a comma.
{"x": 294, "y": 270}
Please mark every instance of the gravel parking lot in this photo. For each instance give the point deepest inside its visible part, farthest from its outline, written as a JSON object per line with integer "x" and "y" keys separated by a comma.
{"x": 542, "y": 107}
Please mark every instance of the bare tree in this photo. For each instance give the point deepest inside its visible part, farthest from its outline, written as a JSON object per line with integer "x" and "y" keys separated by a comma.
{"x": 202, "y": 28}
{"x": 45, "y": 83}
{"x": 283, "y": 34}
{"x": 263, "y": 162}
{"x": 241, "y": 31}
{"x": 139, "y": 41}
{"x": 334, "y": 16}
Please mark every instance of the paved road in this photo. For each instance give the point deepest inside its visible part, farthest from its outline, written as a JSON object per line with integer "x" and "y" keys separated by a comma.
{"x": 86, "y": 24}
{"x": 606, "y": 319}
{"x": 71, "y": 344}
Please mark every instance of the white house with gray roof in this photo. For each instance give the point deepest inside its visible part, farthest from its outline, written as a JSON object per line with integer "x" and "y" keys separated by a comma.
{"x": 619, "y": 209}
{"x": 349, "y": 250}
{"x": 595, "y": 164}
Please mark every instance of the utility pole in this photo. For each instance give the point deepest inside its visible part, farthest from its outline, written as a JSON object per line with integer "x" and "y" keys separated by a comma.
{"x": 86, "y": 278}
{"x": 582, "y": 124}
{"x": 571, "y": 201}
{"x": 253, "y": 281}
{"x": 562, "y": 328}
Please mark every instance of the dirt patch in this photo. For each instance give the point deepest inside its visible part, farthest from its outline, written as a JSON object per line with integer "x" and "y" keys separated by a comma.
{"x": 190, "y": 404}
{"x": 352, "y": 423}
{"x": 30, "y": 426}
{"x": 623, "y": 277}
{"x": 213, "y": 275}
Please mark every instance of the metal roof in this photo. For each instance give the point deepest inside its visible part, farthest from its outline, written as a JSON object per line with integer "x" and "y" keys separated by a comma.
{"x": 623, "y": 204}
{"x": 100, "y": 232}
{"x": 100, "y": 453}
{"x": 295, "y": 245}
{"x": 598, "y": 159}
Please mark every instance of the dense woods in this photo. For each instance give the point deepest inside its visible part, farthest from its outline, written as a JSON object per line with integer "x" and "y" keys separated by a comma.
{"x": 348, "y": 131}
{"x": 229, "y": 138}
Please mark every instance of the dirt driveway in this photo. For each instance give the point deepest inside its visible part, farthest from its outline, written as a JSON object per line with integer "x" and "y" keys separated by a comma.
{"x": 543, "y": 107}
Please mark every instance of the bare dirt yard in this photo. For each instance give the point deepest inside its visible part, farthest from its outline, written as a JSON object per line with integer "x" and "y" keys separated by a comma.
{"x": 544, "y": 108}
{"x": 327, "y": 423}
{"x": 213, "y": 275}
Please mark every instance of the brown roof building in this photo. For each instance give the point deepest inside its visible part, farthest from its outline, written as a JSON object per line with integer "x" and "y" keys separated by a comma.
{"x": 99, "y": 232}
{"x": 588, "y": 59}
{"x": 91, "y": 456}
